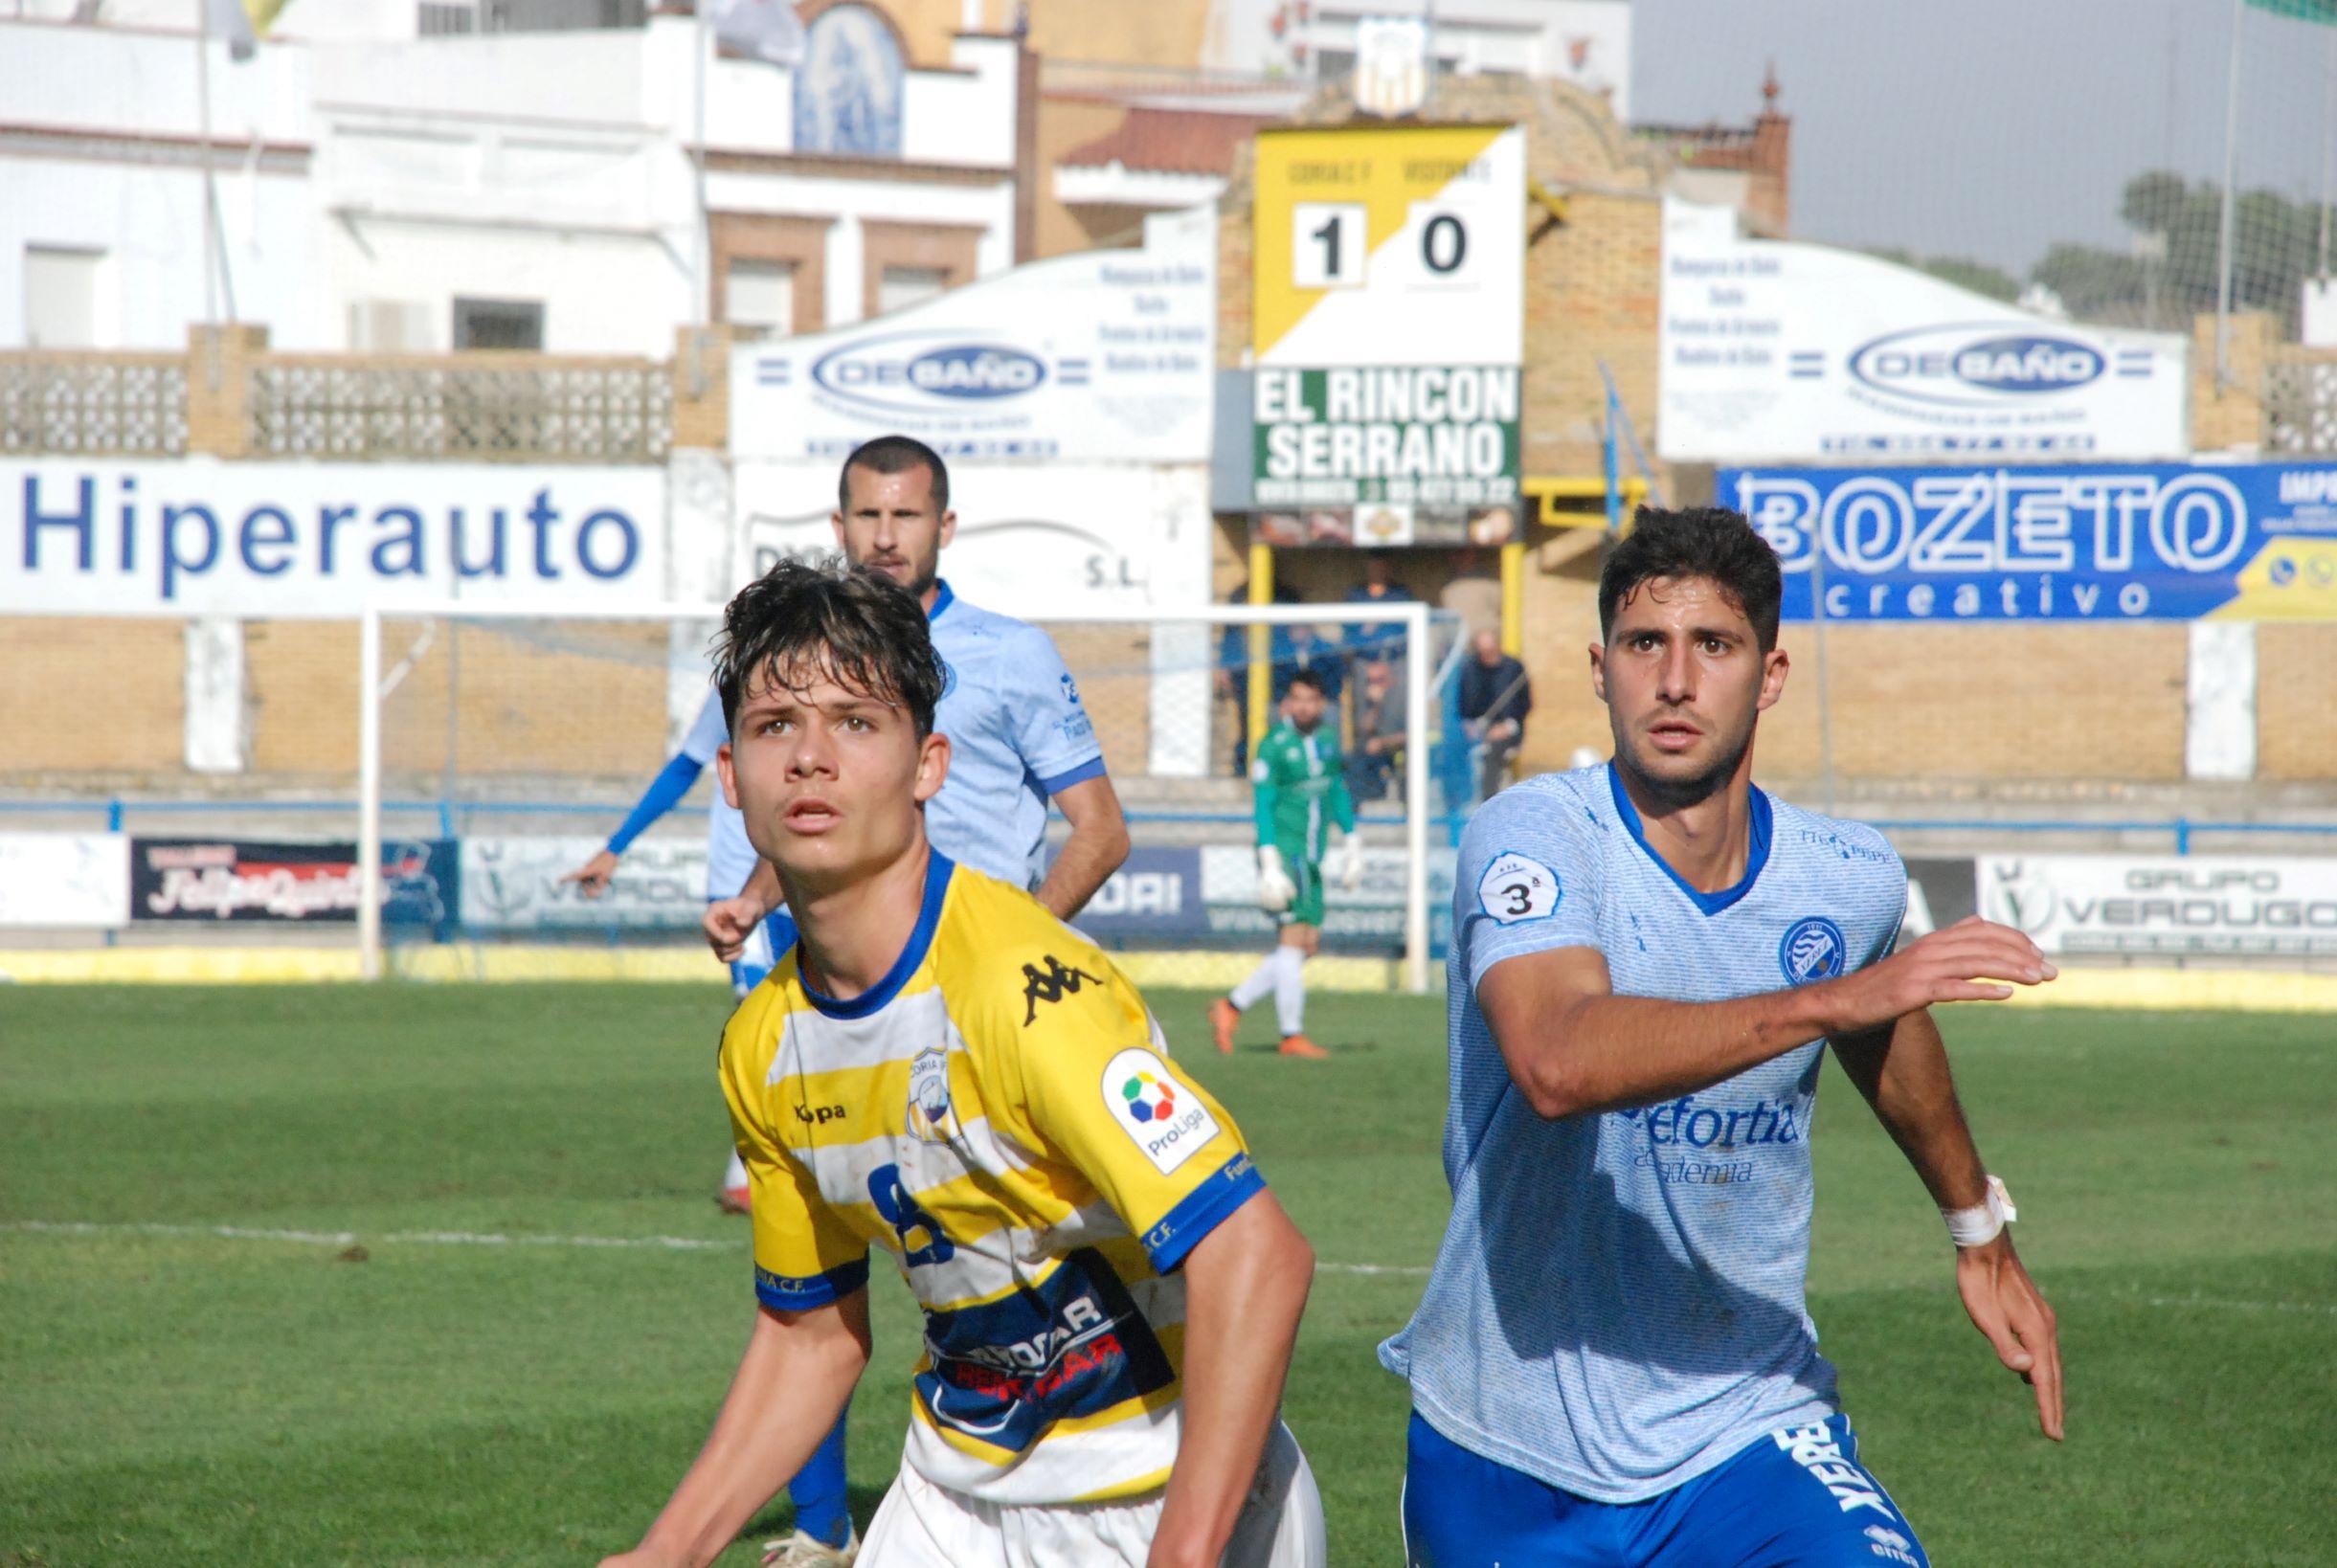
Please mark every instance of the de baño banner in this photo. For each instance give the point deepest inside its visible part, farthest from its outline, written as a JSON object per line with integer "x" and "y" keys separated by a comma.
{"x": 2108, "y": 542}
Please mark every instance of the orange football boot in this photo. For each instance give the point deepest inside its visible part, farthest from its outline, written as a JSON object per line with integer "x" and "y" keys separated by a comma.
{"x": 1223, "y": 1016}
{"x": 1300, "y": 1046}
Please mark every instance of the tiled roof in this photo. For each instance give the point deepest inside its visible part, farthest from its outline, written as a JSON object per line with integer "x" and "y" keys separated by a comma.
{"x": 1170, "y": 141}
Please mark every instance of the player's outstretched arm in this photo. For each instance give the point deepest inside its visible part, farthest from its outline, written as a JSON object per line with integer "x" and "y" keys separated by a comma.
{"x": 1572, "y": 1046}
{"x": 792, "y": 1384}
{"x": 1903, "y": 1070}
{"x": 1245, "y": 1284}
{"x": 1096, "y": 848}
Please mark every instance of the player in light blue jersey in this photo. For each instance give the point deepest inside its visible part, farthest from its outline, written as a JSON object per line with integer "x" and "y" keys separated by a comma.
{"x": 1612, "y": 1363}
{"x": 1020, "y": 737}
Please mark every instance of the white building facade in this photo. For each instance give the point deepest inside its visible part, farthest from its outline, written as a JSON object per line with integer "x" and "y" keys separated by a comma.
{"x": 383, "y": 190}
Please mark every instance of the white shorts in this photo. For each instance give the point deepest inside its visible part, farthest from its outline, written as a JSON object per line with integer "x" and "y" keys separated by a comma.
{"x": 920, "y": 1525}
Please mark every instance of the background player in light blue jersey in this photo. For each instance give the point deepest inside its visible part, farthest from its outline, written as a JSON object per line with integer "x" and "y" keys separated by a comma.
{"x": 1612, "y": 1363}
{"x": 1020, "y": 737}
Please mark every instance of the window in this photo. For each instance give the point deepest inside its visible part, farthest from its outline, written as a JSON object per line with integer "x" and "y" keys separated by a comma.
{"x": 61, "y": 297}
{"x": 499, "y": 324}
{"x": 760, "y": 295}
{"x": 901, "y": 287}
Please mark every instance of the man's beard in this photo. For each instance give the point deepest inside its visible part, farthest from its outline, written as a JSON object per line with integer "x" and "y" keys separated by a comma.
{"x": 1676, "y": 794}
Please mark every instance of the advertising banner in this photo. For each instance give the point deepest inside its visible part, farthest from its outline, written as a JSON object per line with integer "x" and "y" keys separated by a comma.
{"x": 2203, "y": 905}
{"x": 76, "y": 880}
{"x": 1772, "y": 351}
{"x": 2136, "y": 542}
{"x": 1106, "y": 356}
{"x": 514, "y": 885}
{"x": 1154, "y": 896}
{"x": 204, "y": 537}
{"x": 1370, "y": 916}
{"x": 1388, "y": 318}
{"x": 272, "y": 880}
{"x": 1050, "y": 540}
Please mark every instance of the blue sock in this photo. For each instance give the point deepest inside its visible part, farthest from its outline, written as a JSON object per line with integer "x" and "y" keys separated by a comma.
{"x": 817, "y": 1492}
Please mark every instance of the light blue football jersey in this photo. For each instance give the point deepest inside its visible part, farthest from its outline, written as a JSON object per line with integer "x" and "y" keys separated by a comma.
{"x": 1018, "y": 734}
{"x": 729, "y": 860}
{"x": 1617, "y": 1303}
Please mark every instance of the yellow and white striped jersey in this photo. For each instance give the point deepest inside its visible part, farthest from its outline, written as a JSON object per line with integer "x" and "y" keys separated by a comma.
{"x": 1002, "y": 1114}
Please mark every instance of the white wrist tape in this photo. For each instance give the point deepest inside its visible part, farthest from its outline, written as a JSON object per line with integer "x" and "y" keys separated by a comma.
{"x": 1978, "y": 1225}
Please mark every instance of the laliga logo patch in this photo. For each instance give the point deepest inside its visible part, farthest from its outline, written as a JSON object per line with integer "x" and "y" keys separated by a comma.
{"x": 930, "y": 1118}
{"x": 1161, "y": 1115}
{"x": 1813, "y": 950}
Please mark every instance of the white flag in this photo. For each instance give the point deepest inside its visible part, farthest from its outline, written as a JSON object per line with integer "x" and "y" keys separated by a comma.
{"x": 766, "y": 28}
{"x": 227, "y": 21}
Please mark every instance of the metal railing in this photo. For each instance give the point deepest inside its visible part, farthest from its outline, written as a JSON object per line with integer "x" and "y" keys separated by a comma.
{"x": 116, "y": 812}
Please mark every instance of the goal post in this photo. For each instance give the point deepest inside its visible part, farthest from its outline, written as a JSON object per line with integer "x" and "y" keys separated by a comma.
{"x": 525, "y": 731}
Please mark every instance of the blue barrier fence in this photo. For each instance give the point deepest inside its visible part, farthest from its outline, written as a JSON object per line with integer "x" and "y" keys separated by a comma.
{"x": 115, "y": 812}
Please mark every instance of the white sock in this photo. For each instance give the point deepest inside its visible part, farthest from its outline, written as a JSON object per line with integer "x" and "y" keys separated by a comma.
{"x": 1253, "y": 990}
{"x": 1291, "y": 990}
{"x": 735, "y": 1177}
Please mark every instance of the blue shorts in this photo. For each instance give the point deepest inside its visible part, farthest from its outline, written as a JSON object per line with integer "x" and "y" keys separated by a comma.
{"x": 1797, "y": 1498}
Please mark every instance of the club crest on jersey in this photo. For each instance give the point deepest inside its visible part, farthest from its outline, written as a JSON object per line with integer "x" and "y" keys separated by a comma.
{"x": 1812, "y": 950}
{"x": 930, "y": 1118}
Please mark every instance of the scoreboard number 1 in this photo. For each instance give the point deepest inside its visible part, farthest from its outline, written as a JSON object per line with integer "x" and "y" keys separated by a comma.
{"x": 1329, "y": 245}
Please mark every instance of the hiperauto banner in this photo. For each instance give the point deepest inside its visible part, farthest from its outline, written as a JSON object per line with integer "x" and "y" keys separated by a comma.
{"x": 1106, "y": 356}
{"x": 201, "y": 537}
{"x": 2259, "y": 907}
{"x": 1780, "y": 352}
{"x": 2113, "y": 542}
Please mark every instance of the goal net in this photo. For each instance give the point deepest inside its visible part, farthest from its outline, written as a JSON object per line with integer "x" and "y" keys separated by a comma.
{"x": 501, "y": 749}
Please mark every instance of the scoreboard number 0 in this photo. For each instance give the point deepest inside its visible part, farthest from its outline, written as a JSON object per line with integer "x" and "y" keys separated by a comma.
{"x": 1444, "y": 244}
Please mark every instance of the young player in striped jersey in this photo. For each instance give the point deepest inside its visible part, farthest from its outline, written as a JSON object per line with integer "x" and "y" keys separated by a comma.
{"x": 1020, "y": 740}
{"x": 1298, "y": 784}
{"x": 941, "y": 1067}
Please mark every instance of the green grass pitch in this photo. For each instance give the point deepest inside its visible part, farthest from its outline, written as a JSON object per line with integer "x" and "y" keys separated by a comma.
{"x": 171, "y": 1394}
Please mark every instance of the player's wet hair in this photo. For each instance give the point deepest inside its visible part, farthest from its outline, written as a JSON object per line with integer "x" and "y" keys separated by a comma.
{"x": 894, "y": 454}
{"x": 820, "y": 615}
{"x": 1708, "y": 542}
{"x": 1308, "y": 679}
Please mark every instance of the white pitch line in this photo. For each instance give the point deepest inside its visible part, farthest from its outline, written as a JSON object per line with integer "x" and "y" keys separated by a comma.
{"x": 465, "y": 1238}
{"x": 350, "y": 1238}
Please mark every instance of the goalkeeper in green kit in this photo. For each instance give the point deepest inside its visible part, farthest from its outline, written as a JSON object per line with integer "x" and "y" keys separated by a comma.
{"x": 1300, "y": 783}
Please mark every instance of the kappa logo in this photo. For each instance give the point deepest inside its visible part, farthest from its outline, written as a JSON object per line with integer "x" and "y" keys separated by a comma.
{"x": 1160, "y": 1114}
{"x": 1812, "y": 950}
{"x": 930, "y": 1120}
{"x": 819, "y": 1115}
{"x": 1051, "y": 985}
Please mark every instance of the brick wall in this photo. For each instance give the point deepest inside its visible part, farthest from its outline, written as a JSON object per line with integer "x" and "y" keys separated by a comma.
{"x": 95, "y": 701}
